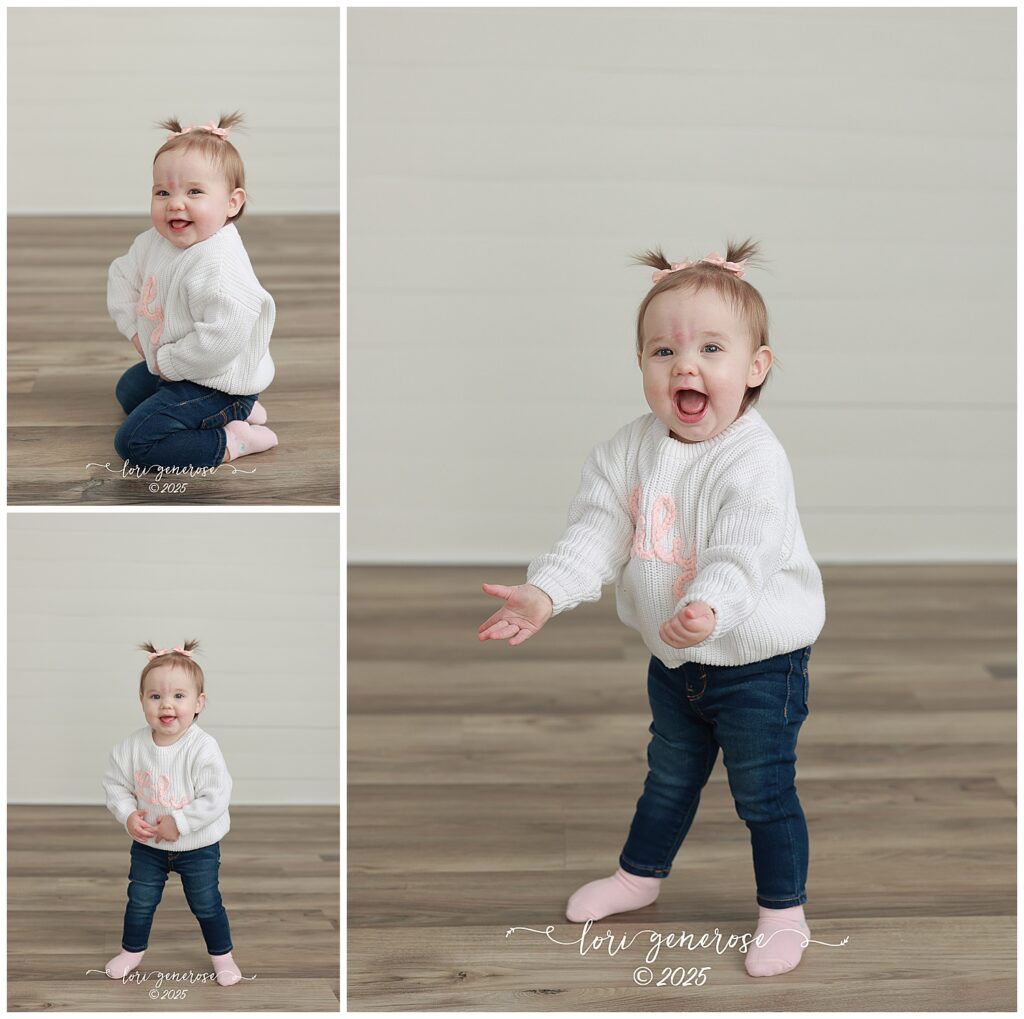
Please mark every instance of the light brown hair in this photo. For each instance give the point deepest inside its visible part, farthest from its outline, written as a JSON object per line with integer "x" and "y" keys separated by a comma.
{"x": 223, "y": 154}
{"x": 188, "y": 665}
{"x": 738, "y": 293}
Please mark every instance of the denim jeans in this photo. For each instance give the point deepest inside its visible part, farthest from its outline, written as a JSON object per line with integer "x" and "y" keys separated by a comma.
{"x": 174, "y": 424}
{"x": 146, "y": 879}
{"x": 754, "y": 713}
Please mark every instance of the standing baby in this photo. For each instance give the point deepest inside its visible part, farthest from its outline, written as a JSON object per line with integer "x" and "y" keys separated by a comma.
{"x": 187, "y": 297}
{"x": 691, "y": 512}
{"x": 167, "y": 784}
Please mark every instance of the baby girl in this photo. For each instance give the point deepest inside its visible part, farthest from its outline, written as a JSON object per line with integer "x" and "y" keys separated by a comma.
{"x": 167, "y": 783}
{"x": 186, "y": 295}
{"x": 690, "y": 510}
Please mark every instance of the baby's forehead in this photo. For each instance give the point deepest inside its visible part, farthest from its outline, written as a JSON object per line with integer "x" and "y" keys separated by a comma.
{"x": 680, "y": 309}
{"x": 168, "y": 677}
{"x": 177, "y": 165}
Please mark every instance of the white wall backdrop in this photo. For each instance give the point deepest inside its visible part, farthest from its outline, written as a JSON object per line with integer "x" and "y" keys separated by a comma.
{"x": 85, "y": 86}
{"x": 503, "y": 165}
{"x": 259, "y": 591}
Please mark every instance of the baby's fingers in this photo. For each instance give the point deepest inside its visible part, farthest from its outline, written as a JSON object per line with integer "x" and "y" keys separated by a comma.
{"x": 523, "y": 635}
{"x": 501, "y": 630}
{"x": 495, "y": 617}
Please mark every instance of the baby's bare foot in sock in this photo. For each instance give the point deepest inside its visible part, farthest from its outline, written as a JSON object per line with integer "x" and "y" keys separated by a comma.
{"x": 258, "y": 414}
{"x": 784, "y": 933}
{"x": 121, "y": 965}
{"x": 244, "y": 438}
{"x": 616, "y": 894}
{"x": 227, "y": 972}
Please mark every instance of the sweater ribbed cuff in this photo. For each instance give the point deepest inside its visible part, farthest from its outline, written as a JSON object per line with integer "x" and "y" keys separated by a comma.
{"x": 179, "y": 819}
{"x": 547, "y": 581}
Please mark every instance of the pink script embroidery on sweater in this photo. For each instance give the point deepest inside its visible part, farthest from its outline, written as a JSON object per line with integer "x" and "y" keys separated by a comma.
{"x": 161, "y": 795}
{"x": 652, "y": 546}
{"x": 156, "y": 315}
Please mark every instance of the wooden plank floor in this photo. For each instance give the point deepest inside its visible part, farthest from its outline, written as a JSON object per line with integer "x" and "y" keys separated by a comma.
{"x": 279, "y": 879}
{"x": 64, "y": 357}
{"x": 486, "y": 783}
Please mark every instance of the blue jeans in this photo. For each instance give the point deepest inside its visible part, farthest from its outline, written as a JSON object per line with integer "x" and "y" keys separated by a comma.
{"x": 174, "y": 424}
{"x": 146, "y": 879}
{"x": 754, "y": 713}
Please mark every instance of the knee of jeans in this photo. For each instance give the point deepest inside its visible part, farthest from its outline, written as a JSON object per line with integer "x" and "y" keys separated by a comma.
{"x": 204, "y": 901}
{"x": 757, "y": 806}
{"x": 145, "y": 893}
{"x": 129, "y": 448}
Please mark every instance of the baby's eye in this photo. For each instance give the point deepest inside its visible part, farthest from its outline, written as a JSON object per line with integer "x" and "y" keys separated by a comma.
{"x": 160, "y": 193}
{"x": 196, "y": 190}
{"x": 662, "y": 350}
{"x": 715, "y": 345}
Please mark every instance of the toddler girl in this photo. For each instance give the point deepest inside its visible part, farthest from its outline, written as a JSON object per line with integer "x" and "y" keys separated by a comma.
{"x": 186, "y": 295}
{"x": 690, "y": 511}
{"x": 167, "y": 783}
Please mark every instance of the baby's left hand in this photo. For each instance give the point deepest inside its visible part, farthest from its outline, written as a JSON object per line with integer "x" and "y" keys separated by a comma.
{"x": 689, "y": 626}
{"x": 166, "y": 829}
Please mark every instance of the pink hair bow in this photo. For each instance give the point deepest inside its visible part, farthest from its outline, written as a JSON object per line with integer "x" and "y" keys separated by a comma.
{"x": 675, "y": 267}
{"x": 169, "y": 650}
{"x": 220, "y": 132}
{"x": 714, "y": 258}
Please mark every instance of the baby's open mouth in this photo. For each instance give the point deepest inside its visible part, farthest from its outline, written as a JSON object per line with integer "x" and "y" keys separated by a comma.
{"x": 180, "y": 224}
{"x": 690, "y": 405}
{"x": 167, "y": 719}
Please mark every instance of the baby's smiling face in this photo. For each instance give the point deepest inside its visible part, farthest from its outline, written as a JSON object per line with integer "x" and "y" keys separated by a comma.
{"x": 191, "y": 199}
{"x": 696, "y": 341}
{"x": 170, "y": 700}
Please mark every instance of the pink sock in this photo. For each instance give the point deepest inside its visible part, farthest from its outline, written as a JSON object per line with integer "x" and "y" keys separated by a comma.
{"x": 616, "y": 894}
{"x": 783, "y": 942}
{"x": 258, "y": 414}
{"x": 244, "y": 438}
{"x": 227, "y": 972}
{"x": 121, "y": 965}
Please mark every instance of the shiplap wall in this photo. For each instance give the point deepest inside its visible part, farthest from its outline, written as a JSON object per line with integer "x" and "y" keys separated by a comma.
{"x": 504, "y": 163}
{"x": 85, "y": 86}
{"x": 260, "y": 592}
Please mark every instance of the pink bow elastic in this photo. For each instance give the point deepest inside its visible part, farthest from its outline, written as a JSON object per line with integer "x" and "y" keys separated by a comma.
{"x": 714, "y": 258}
{"x": 169, "y": 650}
{"x": 220, "y": 132}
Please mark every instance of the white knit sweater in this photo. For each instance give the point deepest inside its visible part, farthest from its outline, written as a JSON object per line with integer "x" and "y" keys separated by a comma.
{"x": 672, "y": 522}
{"x": 200, "y": 313}
{"x": 188, "y": 780}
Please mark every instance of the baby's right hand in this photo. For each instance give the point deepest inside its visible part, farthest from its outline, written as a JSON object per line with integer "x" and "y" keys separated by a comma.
{"x": 138, "y": 346}
{"x": 137, "y": 827}
{"x": 526, "y": 610}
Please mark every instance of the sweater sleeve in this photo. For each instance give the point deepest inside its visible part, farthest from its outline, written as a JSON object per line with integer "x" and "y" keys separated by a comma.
{"x": 124, "y": 286}
{"x": 751, "y": 537}
{"x": 596, "y": 544}
{"x": 222, "y": 328}
{"x": 119, "y": 788}
{"x": 212, "y": 785}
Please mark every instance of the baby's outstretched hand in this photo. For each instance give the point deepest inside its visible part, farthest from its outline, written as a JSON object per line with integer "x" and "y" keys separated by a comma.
{"x": 526, "y": 610}
{"x": 689, "y": 626}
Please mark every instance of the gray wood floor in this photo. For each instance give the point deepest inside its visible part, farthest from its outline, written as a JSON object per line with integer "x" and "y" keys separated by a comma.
{"x": 279, "y": 880}
{"x": 64, "y": 357}
{"x": 488, "y": 782}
